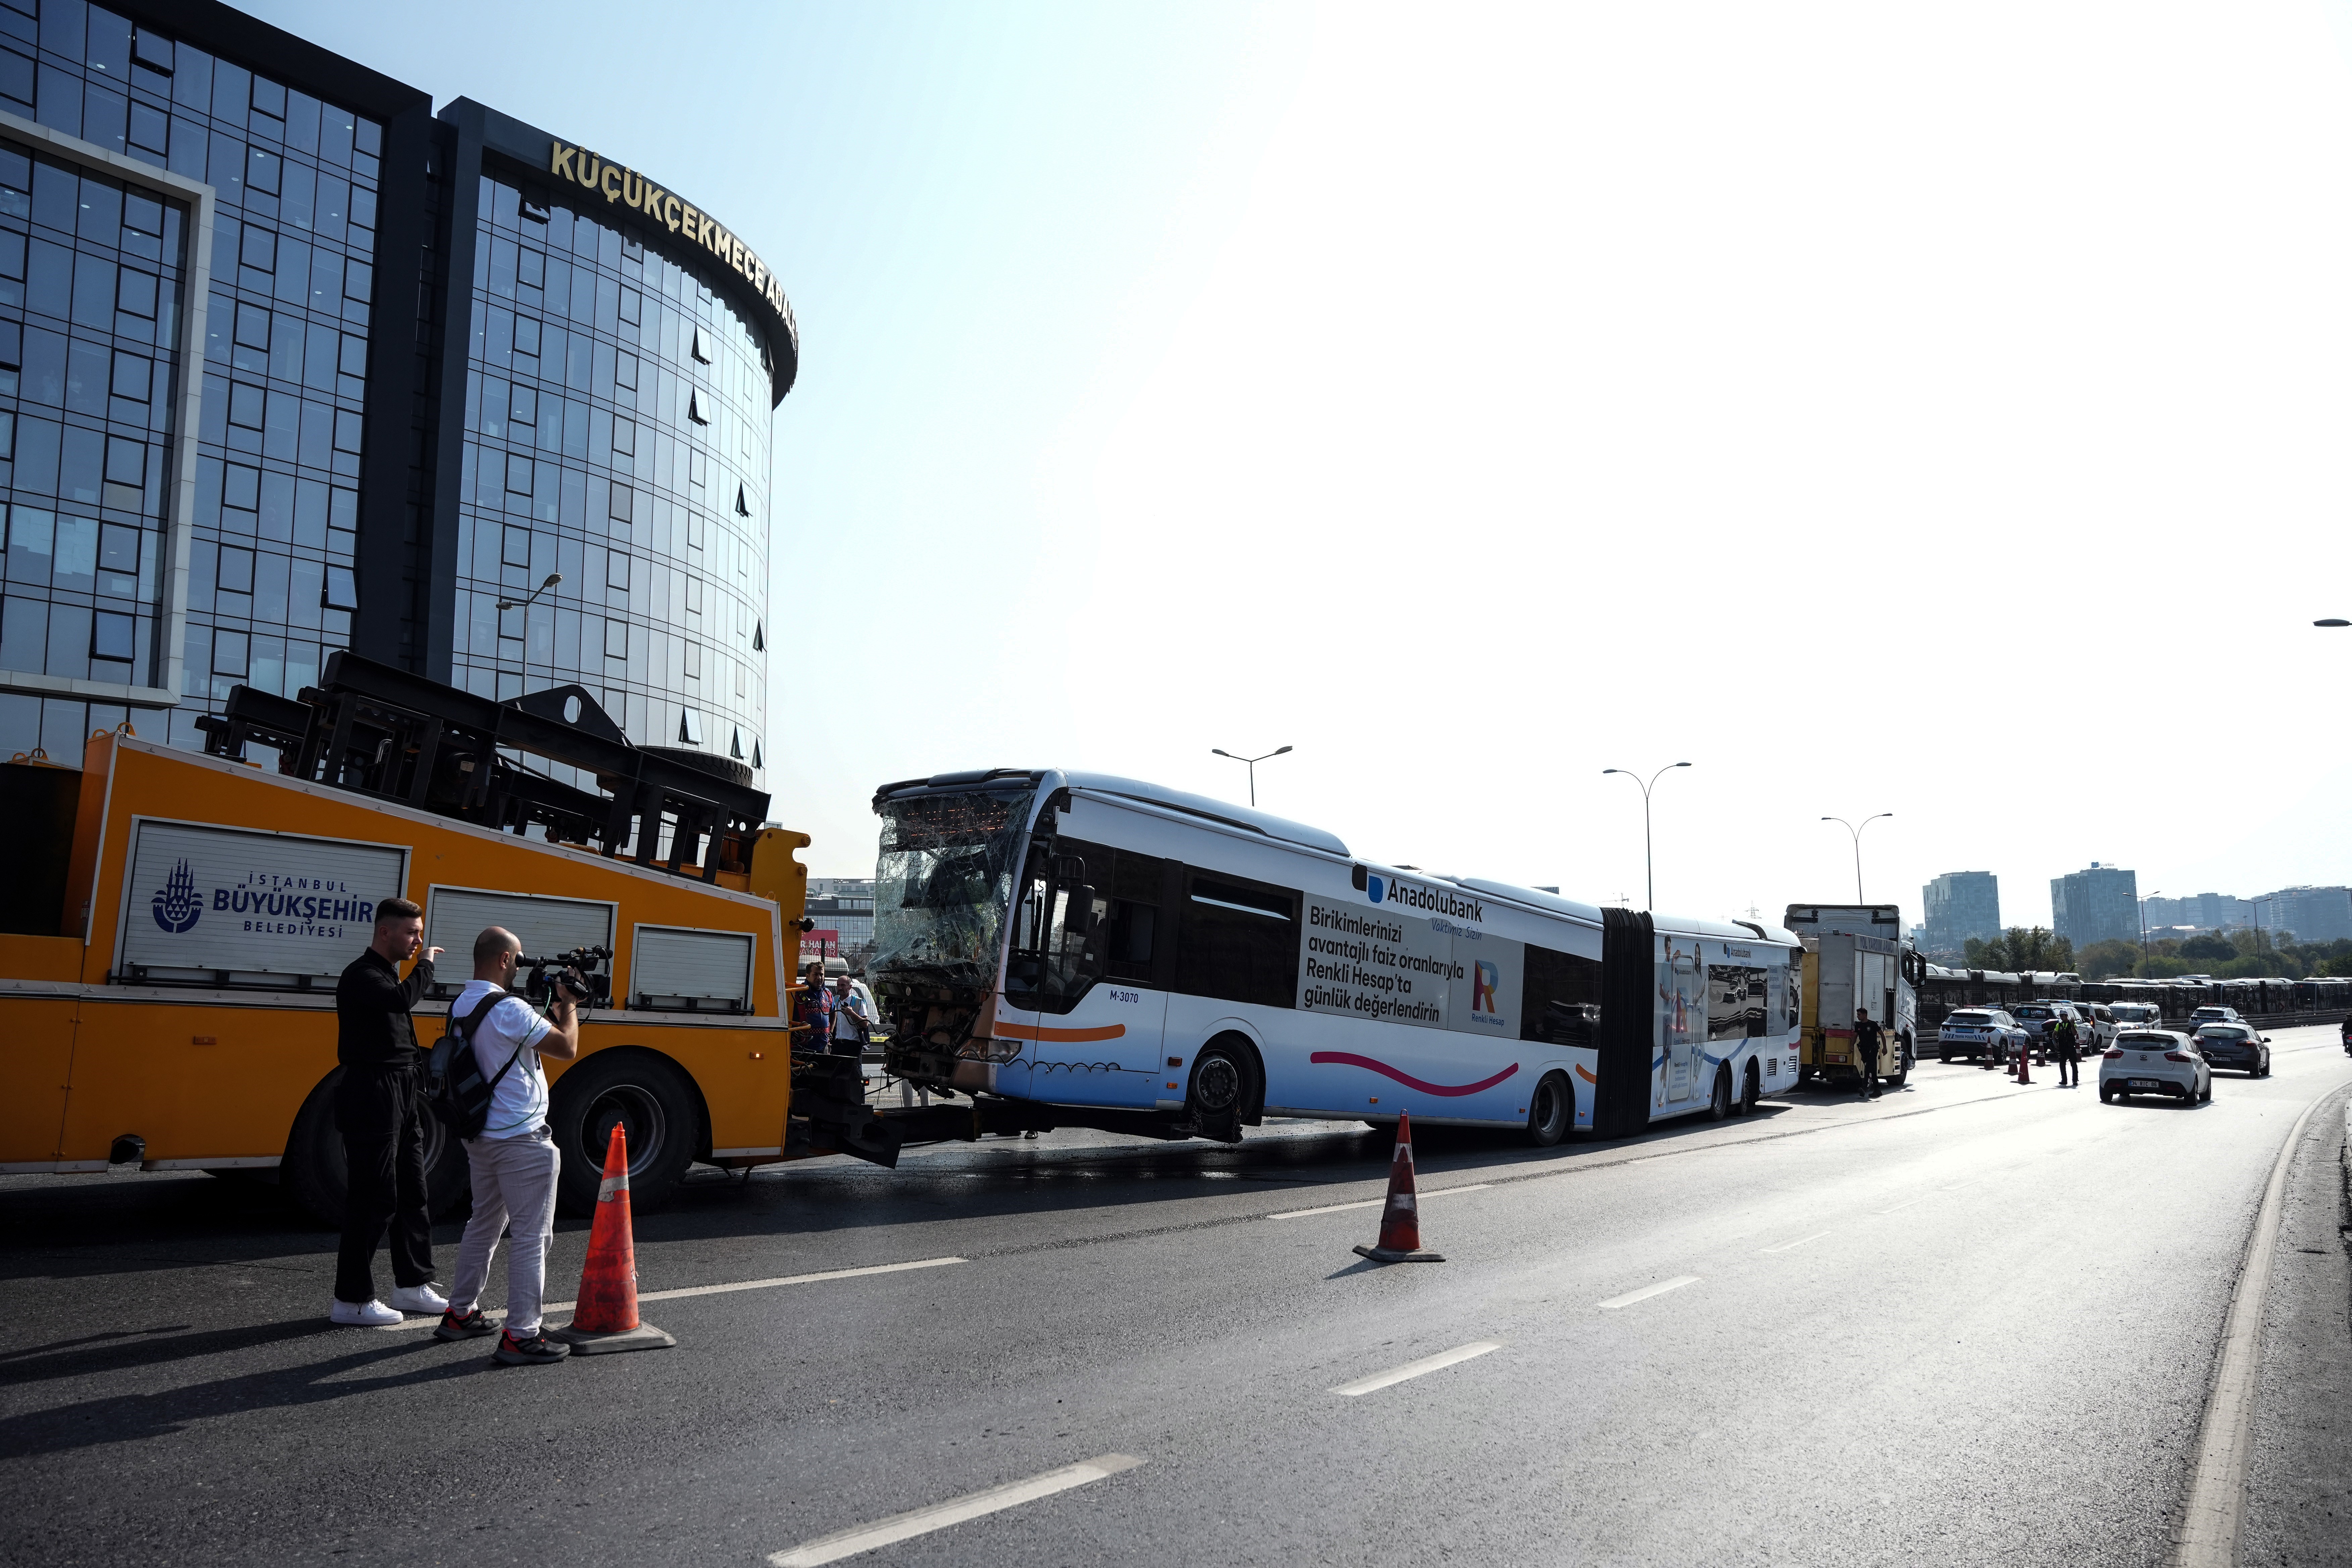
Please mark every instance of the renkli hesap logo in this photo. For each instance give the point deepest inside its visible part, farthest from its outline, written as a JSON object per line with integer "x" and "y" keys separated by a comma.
{"x": 176, "y": 904}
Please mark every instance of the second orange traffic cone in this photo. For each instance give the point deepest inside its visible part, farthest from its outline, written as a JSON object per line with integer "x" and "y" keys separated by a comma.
{"x": 605, "y": 1316}
{"x": 1401, "y": 1217}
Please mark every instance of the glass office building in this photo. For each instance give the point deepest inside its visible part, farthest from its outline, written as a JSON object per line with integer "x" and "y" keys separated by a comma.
{"x": 288, "y": 363}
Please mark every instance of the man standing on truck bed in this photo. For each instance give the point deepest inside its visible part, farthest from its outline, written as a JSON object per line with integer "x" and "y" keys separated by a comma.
{"x": 380, "y": 1110}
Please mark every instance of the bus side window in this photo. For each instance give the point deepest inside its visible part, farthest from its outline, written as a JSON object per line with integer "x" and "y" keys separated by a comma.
{"x": 1238, "y": 940}
{"x": 1559, "y": 999}
{"x": 1133, "y": 935}
{"x": 1735, "y": 1001}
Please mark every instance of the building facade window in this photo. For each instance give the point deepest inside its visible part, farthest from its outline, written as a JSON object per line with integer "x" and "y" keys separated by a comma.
{"x": 617, "y": 426}
{"x": 288, "y": 324}
{"x": 88, "y": 329}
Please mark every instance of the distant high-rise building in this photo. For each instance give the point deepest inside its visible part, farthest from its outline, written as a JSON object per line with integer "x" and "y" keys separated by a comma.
{"x": 1961, "y": 905}
{"x": 2308, "y": 914}
{"x": 2098, "y": 904}
{"x": 2205, "y": 911}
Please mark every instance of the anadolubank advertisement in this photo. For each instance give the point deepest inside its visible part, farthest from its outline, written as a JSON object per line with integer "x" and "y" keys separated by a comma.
{"x": 204, "y": 898}
{"x": 1386, "y": 960}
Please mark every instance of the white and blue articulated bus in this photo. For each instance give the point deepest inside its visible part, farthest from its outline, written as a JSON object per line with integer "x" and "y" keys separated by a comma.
{"x": 1076, "y": 948}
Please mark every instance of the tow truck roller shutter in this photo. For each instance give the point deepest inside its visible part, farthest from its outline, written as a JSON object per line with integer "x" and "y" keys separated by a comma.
{"x": 691, "y": 971}
{"x": 454, "y": 917}
{"x": 1620, "y": 1099}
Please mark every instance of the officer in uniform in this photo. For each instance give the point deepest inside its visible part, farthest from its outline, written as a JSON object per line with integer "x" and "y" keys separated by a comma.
{"x": 1867, "y": 1039}
{"x": 2067, "y": 1049}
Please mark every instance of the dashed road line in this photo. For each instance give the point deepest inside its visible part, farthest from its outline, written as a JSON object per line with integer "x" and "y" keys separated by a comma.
{"x": 1647, "y": 1291}
{"x": 939, "y": 1516}
{"x": 1420, "y": 1368}
{"x": 687, "y": 1290}
{"x": 1375, "y": 1203}
{"x": 1792, "y": 1246}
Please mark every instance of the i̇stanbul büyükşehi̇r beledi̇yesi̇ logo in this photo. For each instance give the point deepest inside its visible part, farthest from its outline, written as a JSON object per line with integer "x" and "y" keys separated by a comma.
{"x": 176, "y": 904}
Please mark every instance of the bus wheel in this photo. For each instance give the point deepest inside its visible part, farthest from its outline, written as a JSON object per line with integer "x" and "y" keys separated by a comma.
{"x": 314, "y": 1172}
{"x": 1751, "y": 1091}
{"x": 1720, "y": 1106}
{"x": 1552, "y": 1112}
{"x": 1220, "y": 1092}
{"x": 647, "y": 1098}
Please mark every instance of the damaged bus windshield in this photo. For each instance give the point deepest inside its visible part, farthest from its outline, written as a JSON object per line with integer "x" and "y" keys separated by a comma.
{"x": 944, "y": 881}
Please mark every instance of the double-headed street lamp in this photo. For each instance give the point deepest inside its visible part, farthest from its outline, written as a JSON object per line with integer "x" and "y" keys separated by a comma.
{"x": 1851, "y": 828}
{"x": 1649, "y": 872}
{"x": 1252, "y": 762}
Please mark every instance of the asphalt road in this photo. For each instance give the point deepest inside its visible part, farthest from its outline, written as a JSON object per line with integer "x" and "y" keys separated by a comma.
{"x": 1972, "y": 1322}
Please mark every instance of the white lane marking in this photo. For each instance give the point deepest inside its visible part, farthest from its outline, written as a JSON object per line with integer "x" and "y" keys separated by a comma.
{"x": 938, "y": 1516}
{"x": 500, "y": 1315}
{"x": 1647, "y": 1291}
{"x": 1790, "y": 1245}
{"x": 1375, "y": 1203}
{"x": 2210, "y": 1524}
{"x": 1420, "y": 1368}
{"x": 1938, "y": 1193}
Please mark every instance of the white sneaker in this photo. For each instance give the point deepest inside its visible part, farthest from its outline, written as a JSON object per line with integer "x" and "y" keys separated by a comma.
{"x": 364, "y": 1315}
{"x": 420, "y": 1299}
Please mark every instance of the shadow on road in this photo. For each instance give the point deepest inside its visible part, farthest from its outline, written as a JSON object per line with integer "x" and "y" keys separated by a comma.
{"x": 130, "y": 1418}
{"x": 80, "y": 1227}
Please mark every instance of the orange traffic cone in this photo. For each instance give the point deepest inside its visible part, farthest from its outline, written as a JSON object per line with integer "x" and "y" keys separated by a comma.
{"x": 605, "y": 1316}
{"x": 2024, "y": 1061}
{"x": 1401, "y": 1219}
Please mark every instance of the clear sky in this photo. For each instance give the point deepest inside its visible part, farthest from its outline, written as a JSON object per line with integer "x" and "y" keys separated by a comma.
{"x": 1939, "y": 410}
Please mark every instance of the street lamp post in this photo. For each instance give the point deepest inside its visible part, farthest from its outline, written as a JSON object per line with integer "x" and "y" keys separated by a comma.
{"x": 1856, "y": 832}
{"x": 1252, "y": 762}
{"x": 1649, "y": 870}
{"x": 2152, "y": 893}
{"x": 524, "y": 605}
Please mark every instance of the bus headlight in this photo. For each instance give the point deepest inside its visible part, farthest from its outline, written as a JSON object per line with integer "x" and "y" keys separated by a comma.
{"x": 982, "y": 1051}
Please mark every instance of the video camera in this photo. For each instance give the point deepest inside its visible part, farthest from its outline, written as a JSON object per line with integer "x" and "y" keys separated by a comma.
{"x": 591, "y": 988}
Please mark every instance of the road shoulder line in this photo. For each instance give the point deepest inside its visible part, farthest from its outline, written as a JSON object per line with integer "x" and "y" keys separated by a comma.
{"x": 2215, "y": 1513}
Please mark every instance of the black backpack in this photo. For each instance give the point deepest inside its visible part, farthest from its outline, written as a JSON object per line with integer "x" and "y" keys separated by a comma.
{"x": 454, "y": 1086}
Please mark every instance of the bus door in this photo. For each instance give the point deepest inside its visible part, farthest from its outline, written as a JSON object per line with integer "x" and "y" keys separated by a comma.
{"x": 1085, "y": 1041}
{"x": 1682, "y": 1021}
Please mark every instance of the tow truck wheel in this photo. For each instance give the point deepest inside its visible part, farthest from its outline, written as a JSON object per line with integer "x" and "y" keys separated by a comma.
{"x": 1719, "y": 1105}
{"x": 645, "y": 1097}
{"x": 1552, "y": 1111}
{"x": 314, "y": 1172}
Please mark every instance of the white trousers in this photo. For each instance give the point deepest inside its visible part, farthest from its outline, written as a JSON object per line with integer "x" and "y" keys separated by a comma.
{"x": 514, "y": 1182}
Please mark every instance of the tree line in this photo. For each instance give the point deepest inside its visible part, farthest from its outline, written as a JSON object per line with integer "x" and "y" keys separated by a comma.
{"x": 2225, "y": 955}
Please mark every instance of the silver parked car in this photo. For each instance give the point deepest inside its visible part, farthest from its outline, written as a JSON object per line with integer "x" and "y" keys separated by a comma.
{"x": 1977, "y": 1033}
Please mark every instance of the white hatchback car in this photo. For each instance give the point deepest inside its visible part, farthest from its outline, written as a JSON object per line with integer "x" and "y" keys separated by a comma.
{"x": 2155, "y": 1061}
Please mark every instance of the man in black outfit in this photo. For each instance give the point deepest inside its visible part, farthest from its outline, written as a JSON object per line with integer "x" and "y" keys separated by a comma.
{"x": 380, "y": 1110}
{"x": 1867, "y": 1039}
{"x": 2068, "y": 1051}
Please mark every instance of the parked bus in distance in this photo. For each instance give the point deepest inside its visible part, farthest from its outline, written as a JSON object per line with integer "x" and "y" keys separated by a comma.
{"x": 1117, "y": 954}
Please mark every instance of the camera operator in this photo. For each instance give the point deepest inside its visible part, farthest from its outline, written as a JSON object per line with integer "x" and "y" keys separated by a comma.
{"x": 515, "y": 1160}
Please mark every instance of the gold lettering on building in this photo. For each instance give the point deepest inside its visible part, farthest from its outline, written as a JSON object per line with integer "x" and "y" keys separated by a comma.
{"x": 624, "y": 187}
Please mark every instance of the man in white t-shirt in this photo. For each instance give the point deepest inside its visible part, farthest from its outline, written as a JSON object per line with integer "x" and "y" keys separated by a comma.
{"x": 515, "y": 1162}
